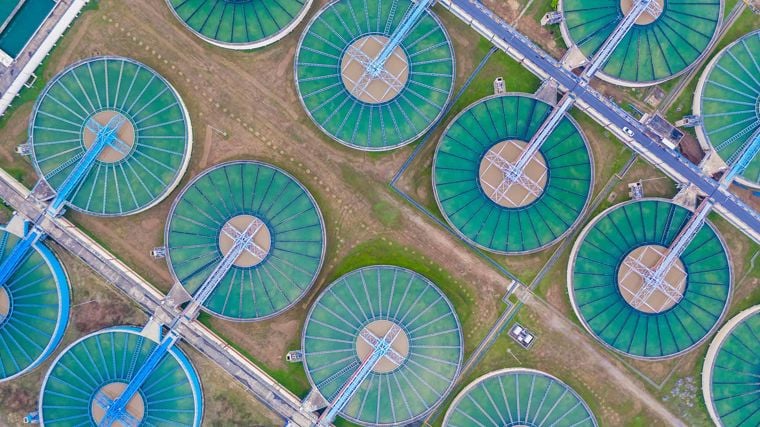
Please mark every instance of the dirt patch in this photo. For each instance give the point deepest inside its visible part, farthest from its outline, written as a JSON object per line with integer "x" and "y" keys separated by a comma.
{"x": 652, "y": 12}
{"x": 364, "y": 86}
{"x": 526, "y": 16}
{"x": 512, "y": 193}
{"x": 125, "y": 135}
{"x": 98, "y": 314}
{"x": 262, "y": 239}
{"x": 631, "y": 280}
{"x": 110, "y": 392}
{"x": 376, "y": 331}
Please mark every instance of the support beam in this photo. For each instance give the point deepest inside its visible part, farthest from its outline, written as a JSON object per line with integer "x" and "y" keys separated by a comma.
{"x": 382, "y": 348}
{"x": 18, "y": 254}
{"x": 117, "y": 410}
{"x": 603, "y": 54}
{"x": 543, "y": 132}
{"x": 242, "y": 241}
{"x": 405, "y": 27}
{"x": 105, "y": 136}
{"x": 744, "y": 157}
{"x": 654, "y": 278}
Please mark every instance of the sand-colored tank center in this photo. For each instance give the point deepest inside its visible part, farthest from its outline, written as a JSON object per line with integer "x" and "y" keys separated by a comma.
{"x": 379, "y": 89}
{"x": 508, "y": 193}
{"x": 649, "y": 15}
{"x": 5, "y": 302}
{"x": 261, "y": 238}
{"x": 110, "y": 392}
{"x": 126, "y": 135}
{"x": 379, "y": 328}
{"x": 631, "y": 282}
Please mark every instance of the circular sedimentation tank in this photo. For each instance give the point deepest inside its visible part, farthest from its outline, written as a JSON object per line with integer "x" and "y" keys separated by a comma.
{"x": 663, "y": 43}
{"x": 351, "y": 106}
{"x": 34, "y": 308}
{"x": 731, "y": 370}
{"x": 469, "y": 179}
{"x": 240, "y": 24}
{"x": 93, "y": 371}
{"x": 728, "y": 101}
{"x": 289, "y": 238}
{"x": 606, "y": 290}
{"x": 518, "y": 397}
{"x": 153, "y": 143}
{"x": 399, "y": 390}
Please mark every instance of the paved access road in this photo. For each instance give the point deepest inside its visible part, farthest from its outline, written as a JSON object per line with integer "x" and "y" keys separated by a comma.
{"x": 604, "y": 111}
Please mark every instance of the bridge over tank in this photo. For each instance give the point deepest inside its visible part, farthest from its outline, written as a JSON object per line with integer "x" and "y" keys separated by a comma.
{"x": 427, "y": 353}
{"x": 34, "y": 308}
{"x": 661, "y": 45}
{"x": 603, "y": 284}
{"x": 468, "y": 177}
{"x": 90, "y": 373}
{"x": 154, "y": 136}
{"x": 518, "y": 397}
{"x": 728, "y": 102}
{"x": 289, "y": 237}
{"x": 240, "y": 24}
{"x": 380, "y": 113}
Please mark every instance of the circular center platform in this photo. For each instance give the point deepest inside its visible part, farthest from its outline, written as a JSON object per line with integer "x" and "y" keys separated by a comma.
{"x": 5, "y": 302}
{"x": 262, "y": 239}
{"x": 507, "y": 192}
{"x": 631, "y": 280}
{"x": 378, "y": 329}
{"x": 125, "y": 134}
{"x": 360, "y": 83}
{"x": 648, "y": 16}
{"x": 110, "y": 392}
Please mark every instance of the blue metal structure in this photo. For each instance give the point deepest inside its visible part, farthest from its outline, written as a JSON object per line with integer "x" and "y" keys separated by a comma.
{"x": 747, "y": 154}
{"x": 116, "y": 410}
{"x": 514, "y": 172}
{"x": 105, "y": 136}
{"x": 19, "y": 253}
{"x": 654, "y": 278}
{"x": 603, "y": 54}
{"x": 381, "y": 347}
{"x": 410, "y": 19}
